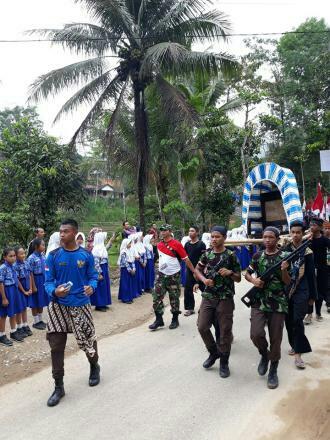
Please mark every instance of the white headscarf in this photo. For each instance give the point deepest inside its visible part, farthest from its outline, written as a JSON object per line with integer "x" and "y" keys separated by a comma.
{"x": 54, "y": 242}
{"x": 139, "y": 245}
{"x": 125, "y": 250}
{"x": 146, "y": 241}
{"x": 185, "y": 240}
{"x": 82, "y": 235}
{"x": 99, "y": 249}
{"x": 206, "y": 238}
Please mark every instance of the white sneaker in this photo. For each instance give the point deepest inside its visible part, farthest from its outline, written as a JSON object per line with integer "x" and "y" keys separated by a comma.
{"x": 308, "y": 319}
{"x": 319, "y": 318}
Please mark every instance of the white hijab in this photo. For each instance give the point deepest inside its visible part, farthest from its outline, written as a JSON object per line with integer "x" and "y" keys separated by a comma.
{"x": 139, "y": 245}
{"x": 206, "y": 238}
{"x": 146, "y": 241}
{"x": 82, "y": 235}
{"x": 185, "y": 240}
{"x": 125, "y": 250}
{"x": 54, "y": 243}
{"x": 99, "y": 249}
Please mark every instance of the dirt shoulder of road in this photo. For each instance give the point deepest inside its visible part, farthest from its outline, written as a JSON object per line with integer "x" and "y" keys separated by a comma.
{"x": 27, "y": 358}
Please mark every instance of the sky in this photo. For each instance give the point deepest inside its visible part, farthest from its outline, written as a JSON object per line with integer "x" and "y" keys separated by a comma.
{"x": 22, "y": 63}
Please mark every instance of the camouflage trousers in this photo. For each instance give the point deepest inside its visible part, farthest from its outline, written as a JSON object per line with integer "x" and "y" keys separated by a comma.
{"x": 170, "y": 284}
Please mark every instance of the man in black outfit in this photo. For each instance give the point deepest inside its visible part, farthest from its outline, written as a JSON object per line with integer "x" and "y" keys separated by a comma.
{"x": 194, "y": 248}
{"x": 320, "y": 245}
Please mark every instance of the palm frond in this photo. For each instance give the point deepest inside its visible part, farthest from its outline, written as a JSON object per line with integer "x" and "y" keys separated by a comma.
{"x": 174, "y": 104}
{"x": 180, "y": 11}
{"x": 85, "y": 38}
{"x": 215, "y": 90}
{"x": 115, "y": 16}
{"x": 86, "y": 95}
{"x": 115, "y": 117}
{"x": 174, "y": 59}
{"x": 213, "y": 24}
{"x": 64, "y": 77}
{"x": 233, "y": 105}
{"x": 112, "y": 91}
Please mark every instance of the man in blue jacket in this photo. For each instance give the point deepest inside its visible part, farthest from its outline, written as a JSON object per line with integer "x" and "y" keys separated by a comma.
{"x": 71, "y": 279}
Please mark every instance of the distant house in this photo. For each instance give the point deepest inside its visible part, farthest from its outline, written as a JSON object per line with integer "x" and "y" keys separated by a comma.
{"x": 106, "y": 188}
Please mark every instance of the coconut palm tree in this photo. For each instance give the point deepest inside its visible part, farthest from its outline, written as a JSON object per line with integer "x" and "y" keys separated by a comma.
{"x": 152, "y": 39}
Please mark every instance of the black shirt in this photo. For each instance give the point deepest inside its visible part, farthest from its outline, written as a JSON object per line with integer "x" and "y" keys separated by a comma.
{"x": 319, "y": 247}
{"x": 195, "y": 251}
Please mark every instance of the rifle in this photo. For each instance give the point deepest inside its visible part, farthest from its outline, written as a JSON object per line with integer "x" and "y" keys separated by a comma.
{"x": 214, "y": 270}
{"x": 250, "y": 297}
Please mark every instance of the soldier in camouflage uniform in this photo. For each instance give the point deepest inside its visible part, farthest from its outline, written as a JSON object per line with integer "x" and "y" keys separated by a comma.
{"x": 171, "y": 252}
{"x": 218, "y": 268}
{"x": 271, "y": 306}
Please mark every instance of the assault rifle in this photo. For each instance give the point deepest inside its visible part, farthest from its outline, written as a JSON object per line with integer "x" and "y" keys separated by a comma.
{"x": 250, "y": 297}
{"x": 214, "y": 270}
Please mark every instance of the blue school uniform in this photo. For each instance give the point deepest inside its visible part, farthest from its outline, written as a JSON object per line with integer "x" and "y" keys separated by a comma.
{"x": 76, "y": 266}
{"x": 8, "y": 278}
{"x": 23, "y": 272}
{"x": 40, "y": 298}
{"x": 127, "y": 287}
{"x": 150, "y": 271}
{"x": 141, "y": 271}
{"x": 102, "y": 295}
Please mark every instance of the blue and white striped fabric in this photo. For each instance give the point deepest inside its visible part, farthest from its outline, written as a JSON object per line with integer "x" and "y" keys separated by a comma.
{"x": 265, "y": 178}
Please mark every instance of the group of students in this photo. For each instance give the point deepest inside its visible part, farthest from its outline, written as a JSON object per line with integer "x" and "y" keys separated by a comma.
{"x": 286, "y": 299}
{"x": 137, "y": 270}
{"x": 22, "y": 282}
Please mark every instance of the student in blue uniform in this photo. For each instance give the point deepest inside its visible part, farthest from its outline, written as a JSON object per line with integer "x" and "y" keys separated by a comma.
{"x": 69, "y": 310}
{"x": 101, "y": 298}
{"x": 141, "y": 267}
{"x": 39, "y": 299}
{"x": 150, "y": 267}
{"x": 24, "y": 276}
{"x": 126, "y": 261}
{"x": 137, "y": 279}
{"x": 9, "y": 304}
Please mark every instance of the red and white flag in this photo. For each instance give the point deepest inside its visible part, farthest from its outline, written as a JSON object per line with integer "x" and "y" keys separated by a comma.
{"x": 318, "y": 204}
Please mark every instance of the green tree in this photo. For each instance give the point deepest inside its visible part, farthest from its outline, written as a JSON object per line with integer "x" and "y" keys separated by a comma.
{"x": 151, "y": 39}
{"x": 37, "y": 178}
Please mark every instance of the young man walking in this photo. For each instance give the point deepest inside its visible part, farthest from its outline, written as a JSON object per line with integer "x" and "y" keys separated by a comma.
{"x": 171, "y": 252}
{"x": 218, "y": 298}
{"x": 69, "y": 310}
{"x": 194, "y": 248}
{"x": 271, "y": 305}
{"x": 301, "y": 294}
{"x": 320, "y": 246}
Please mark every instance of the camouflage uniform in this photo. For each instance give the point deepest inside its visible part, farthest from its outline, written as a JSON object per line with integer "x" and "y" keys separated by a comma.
{"x": 218, "y": 303}
{"x": 170, "y": 284}
{"x": 271, "y": 306}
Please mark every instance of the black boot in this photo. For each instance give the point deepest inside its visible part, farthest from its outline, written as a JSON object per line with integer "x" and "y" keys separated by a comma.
{"x": 158, "y": 322}
{"x": 94, "y": 375}
{"x": 175, "y": 321}
{"x": 224, "y": 367}
{"x": 263, "y": 364}
{"x": 272, "y": 381}
{"x": 210, "y": 361}
{"x": 57, "y": 394}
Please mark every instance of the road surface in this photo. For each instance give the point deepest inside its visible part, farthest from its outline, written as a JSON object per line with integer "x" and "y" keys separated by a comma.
{"x": 154, "y": 387}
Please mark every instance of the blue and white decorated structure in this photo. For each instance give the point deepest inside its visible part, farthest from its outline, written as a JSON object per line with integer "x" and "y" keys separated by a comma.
{"x": 264, "y": 180}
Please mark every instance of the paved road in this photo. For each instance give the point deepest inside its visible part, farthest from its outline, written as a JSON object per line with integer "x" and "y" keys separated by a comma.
{"x": 154, "y": 387}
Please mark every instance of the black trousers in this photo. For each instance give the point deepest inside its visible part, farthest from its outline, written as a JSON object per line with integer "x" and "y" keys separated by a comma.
{"x": 189, "y": 299}
{"x": 57, "y": 342}
{"x": 298, "y": 305}
{"x": 322, "y": 290}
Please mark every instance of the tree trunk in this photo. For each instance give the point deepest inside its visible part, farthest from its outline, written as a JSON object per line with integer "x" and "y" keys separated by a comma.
{"x": 142, "y": 147}
{"x": 246, "y": 137}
